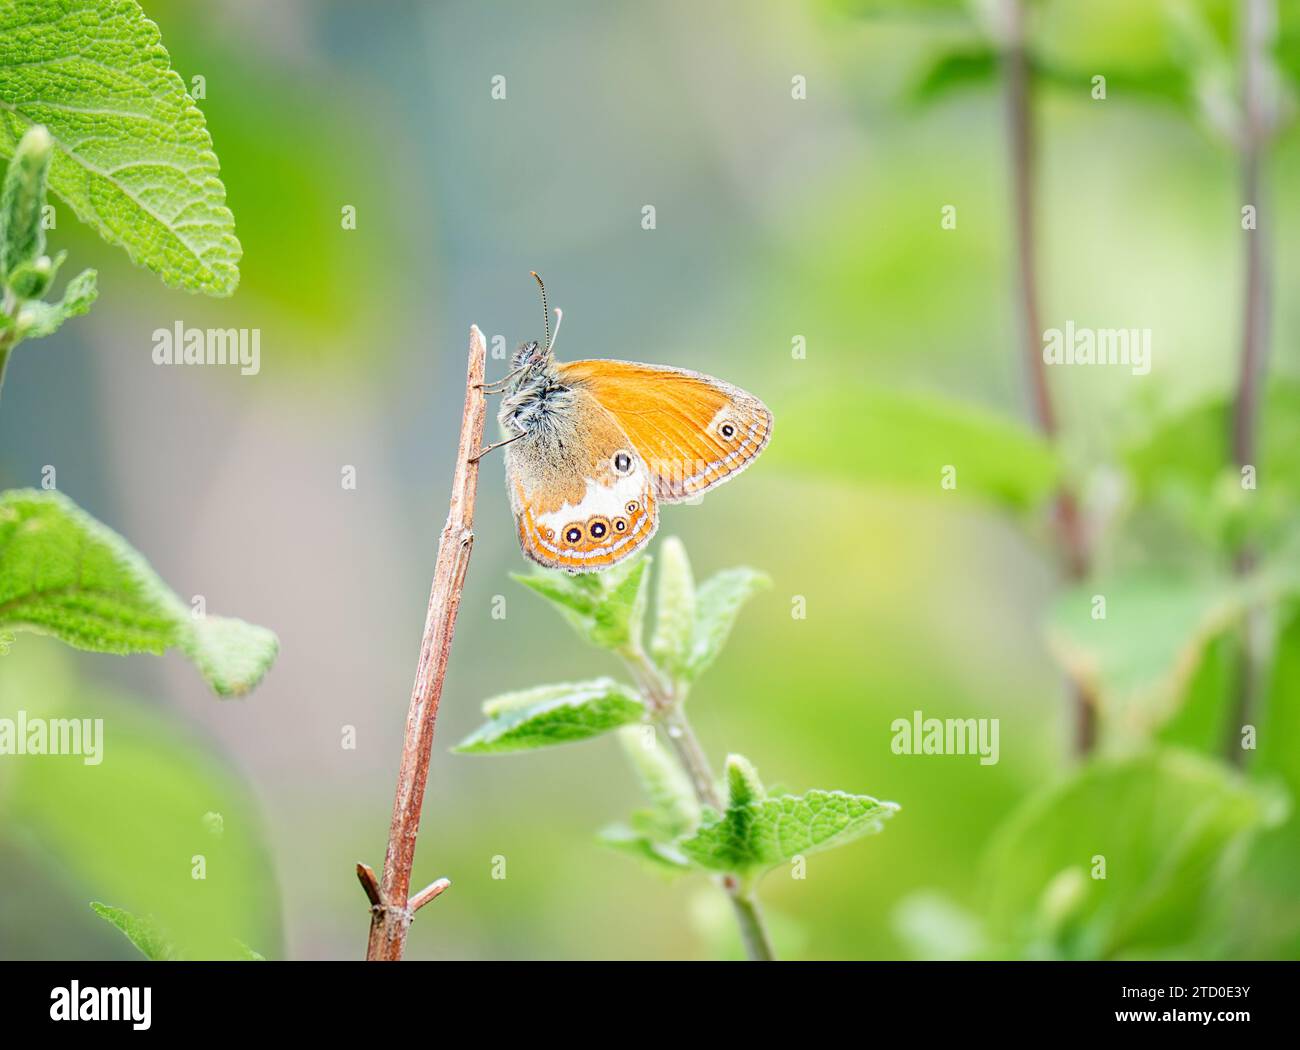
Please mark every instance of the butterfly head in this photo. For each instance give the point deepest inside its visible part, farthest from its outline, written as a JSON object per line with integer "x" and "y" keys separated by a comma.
{"x": 529, "y": 356}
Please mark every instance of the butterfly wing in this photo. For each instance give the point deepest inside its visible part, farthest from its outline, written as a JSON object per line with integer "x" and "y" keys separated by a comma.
{"x": 583, "y": 498}
{"x": 693, "y": 431}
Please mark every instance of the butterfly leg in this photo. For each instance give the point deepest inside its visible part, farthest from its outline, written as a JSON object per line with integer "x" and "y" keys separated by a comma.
{"x": 496, "y": 444}
{"x": 497, "y": 386}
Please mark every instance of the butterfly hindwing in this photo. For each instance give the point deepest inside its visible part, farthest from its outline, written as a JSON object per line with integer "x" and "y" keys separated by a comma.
{"x": 693, "y": 431}
{"x": 582, "y": 496}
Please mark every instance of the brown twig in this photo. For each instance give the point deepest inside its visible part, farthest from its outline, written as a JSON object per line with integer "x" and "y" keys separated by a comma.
{"x": 391, "y": 911}
{"x": 1071, "y": 535}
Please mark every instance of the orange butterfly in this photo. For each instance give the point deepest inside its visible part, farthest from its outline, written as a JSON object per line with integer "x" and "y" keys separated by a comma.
{"x": 596, "y": 446}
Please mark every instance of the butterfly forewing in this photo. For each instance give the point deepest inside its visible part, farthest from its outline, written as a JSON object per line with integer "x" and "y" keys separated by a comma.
{"x": 692, "y": 431}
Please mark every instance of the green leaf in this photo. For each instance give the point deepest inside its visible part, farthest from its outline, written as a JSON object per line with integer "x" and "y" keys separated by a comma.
{"x": 620, "y": 616}
{"x": 675, "y": 806}
{"x": 153, "y": 943}
{"x": 132, "y": 154}
{"x": 22, "y": 236}
{"x": 970, "y": 66}
{"x": 656, "y": 854}
{"x": 906, "y": 440}
{"x": 1279, "y": 734}
{"x": 1167, "y": 826}
{"x": 1184, "y": 466}
{"x": 550, "y": 715}
{"x": 30, "y": 280}
{"x": 143, "y": 933}
{"x": 37, "y": 319}
{"x": 743, "y": 785}
{"x": 717, "y": 604}
{"x": 606, "y": 609}
{"x": 1138, "y": 660}
{"x": 753, "y": 837}
{"x": 63, "y": 573}
{"x": 670, "y": 645}
{"x": 232, "y": 655}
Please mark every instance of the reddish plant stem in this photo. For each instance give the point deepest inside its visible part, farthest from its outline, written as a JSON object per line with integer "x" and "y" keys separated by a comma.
{"x": 392, "y": 907}
{"x": 1257, "y": 29}
{"x": 1071, "y": 536}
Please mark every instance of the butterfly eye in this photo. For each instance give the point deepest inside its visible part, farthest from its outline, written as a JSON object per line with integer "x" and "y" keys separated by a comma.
{"x": 620, "y": 524}
{"x": 598, "y": 528}
{"x": 632, "y": 506}
{"x": 727, "y": 430}
{"x": 622, "y": 462}
{"x": 573, "y": 535}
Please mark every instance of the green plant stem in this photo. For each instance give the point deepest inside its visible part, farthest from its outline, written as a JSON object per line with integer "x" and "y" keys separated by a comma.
{"x": 665, "y": 700}
{"x": 8, "y": 338}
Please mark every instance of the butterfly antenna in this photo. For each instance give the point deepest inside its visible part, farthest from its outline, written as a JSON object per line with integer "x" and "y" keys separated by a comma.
{"x": 559, "y": 316}
{"x": 546, "y": 311}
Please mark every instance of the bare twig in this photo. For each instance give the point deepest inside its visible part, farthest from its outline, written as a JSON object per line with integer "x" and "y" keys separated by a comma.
{"x": 1071, "y": 536}
{"x": 366, "y": 876}
{"x": 391, "y": 913}
{"x": 430, "y": 892}
{"x": 1259, "y": 116}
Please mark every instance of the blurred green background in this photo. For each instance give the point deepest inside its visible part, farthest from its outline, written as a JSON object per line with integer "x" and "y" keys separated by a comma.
{"x": 776, "y": 218}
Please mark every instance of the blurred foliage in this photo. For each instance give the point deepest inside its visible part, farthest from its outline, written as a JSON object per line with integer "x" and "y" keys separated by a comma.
{"x": 130, "y": 829}
{"x": 1166, "y": 831}
{"x": 820, "y": 221}
{"x": 896, "y": 438}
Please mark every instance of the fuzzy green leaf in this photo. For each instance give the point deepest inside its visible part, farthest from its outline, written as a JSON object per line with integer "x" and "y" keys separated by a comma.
{"x": 675, "y": 806}
{"x": 670, "y": 645}
{"x": 37, "y": 318}
{"x": 143, "y": 933}
{"x": 606, "y": 609}
{"x": 717, "y": 604}
{"x": 646, "y": 848}
{"x": 63, "y": 573}
{"x": 132, "y": 154}
{"x": 550, "y": 715}
{"x": 743, "y": 785}
{"x": 22, "y": 236}
{"x": 30, "y": 280}
{"x": 758, "y": 835}
{"x": 620, "y": 616}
